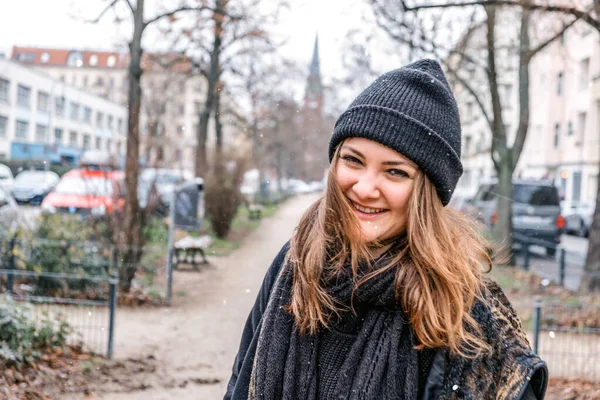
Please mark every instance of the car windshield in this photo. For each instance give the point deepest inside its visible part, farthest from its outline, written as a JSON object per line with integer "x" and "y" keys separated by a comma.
{"x": 85, "y": 186}
{"x": 33, "y": 177}
{"x": 536, "y": 195}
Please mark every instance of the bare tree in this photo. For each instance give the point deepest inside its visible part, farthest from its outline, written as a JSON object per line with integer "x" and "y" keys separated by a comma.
{"x": 412, "y": 25}
{"x": 130, "y": 236}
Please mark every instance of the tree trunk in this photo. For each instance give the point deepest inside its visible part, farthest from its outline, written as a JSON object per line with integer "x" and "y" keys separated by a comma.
{"x": 218, "y": 127}
{"x": 213, "y": 77}
{"x": 591, "y": 275}
{"x": 131, "y": 218}
{"x": 503, "y": 227}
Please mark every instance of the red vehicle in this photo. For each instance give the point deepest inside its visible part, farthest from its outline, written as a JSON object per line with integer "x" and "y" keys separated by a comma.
{"x": 88, "y": 191}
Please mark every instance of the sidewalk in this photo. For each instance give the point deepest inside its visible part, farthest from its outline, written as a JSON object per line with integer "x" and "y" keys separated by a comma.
{"x": 195, "y": 341}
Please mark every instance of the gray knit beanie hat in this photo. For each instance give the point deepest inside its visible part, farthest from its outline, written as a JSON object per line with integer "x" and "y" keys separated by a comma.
{"x": 411, "y": 110}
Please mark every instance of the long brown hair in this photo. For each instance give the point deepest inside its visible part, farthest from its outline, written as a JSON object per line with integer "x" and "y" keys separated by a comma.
{"x": 439, "y": 273}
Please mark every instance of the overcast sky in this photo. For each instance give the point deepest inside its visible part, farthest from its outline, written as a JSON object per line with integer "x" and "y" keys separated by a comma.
{"x": 51, "y": 23}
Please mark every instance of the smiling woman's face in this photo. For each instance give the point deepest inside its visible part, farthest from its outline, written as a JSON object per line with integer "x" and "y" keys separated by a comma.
{"x": 378, "y": 183}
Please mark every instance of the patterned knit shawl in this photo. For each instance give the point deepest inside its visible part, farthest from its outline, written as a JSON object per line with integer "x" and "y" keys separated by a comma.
{"x": 381, "y": 364}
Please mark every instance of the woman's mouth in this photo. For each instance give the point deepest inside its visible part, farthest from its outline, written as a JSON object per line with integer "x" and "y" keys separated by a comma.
{"x": 367, "y": 212}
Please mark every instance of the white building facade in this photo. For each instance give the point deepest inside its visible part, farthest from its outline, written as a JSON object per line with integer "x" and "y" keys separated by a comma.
{"x": 43, "y": 118}
{"x": 171, "y": 97}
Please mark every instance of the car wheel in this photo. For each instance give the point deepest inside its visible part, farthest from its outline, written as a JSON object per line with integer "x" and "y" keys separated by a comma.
{"x": 550, "y": 251}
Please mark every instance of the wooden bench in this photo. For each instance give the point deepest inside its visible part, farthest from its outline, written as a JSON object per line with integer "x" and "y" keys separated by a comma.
{"x": 255, "y": 211}
{"x": 187, "y": 250}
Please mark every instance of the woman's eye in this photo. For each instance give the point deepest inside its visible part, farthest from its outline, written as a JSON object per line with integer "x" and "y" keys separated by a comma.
{"x": 398, "y": 173}
{"x": 351, "y": 159}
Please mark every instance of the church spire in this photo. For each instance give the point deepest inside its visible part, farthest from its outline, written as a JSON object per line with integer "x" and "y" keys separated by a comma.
{"x": 315, "y": 70}
{"x": 313, "y": 97}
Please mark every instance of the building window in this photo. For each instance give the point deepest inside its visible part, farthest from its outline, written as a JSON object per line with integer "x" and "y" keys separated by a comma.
{"x": 181, "y": 109}
{"x": 74, "y": 111}
{"x": 4, "y": 84}
{"x": 3, "y": 126}
{"x": 119, "y": 148}
{"x": 58, "y": 136}
{"x": 75, "y": 59}
{"x": 43, "y": 102}
{"x": 87, "y": 115}
{"x": 180, "y": 129}
{"x": 22, "y": 130}
{"x": 584, "y": 73}
{"x": 73, "y": 139}
{"x": 41, "y": 132}
{"x": 23, "y": 95}
{"x": 25, "y": 57}
{"x": 111, "y": 83}
{"x": 45, "y": 57}
{"x": 99, "y": 81}
{"x": 59, "y": 106}
{"x": 581, "y": 118}
{"x": 87, "y": 142}
{"x": 99, "y": 120}
{"x": 93, "y": 60}
{"x": 119, "y": 125}
{"x": 112, "y": 60}
{"x": 85, "y": 81}
{"x": 98, "y": 143}
{"x": 556, "y": 135}
{"x": 559, "y": 85}
{"x": 109, "y": 122}
{"x": 108, "y": 145}
{"x": 569, "y": 128}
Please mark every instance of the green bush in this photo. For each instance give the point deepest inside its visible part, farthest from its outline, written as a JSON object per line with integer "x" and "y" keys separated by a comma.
{"x": 222, "y": 196}
{"x": 22, "y": 339}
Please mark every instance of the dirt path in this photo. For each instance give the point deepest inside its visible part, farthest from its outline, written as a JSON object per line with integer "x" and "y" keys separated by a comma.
{"x": 172, "y": 353}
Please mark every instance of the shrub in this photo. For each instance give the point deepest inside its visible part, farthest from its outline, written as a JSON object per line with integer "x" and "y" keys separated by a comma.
{"x": 22, "y": 339}
{"x": 222, "y": 195}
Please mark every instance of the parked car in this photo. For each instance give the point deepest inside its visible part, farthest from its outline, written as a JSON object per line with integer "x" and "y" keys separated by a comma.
{"x": 165, "y": 180}
{"x": 536, "y": 211}
{"x": 93, "y": 192}
{"x": 9, "y": 213}
{"x": 6, "y": 178}
{"x": 31, "y": 187}
{"x": 578, "y": 217}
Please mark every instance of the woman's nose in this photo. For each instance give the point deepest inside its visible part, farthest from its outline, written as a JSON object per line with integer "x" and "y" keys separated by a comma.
{"x": 366, "y": 187}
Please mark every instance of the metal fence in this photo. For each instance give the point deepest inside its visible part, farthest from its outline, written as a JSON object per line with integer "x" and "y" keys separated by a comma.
{"x": 564, "y": 268}
{"x": 78, "y": 280}
{"x": 567, "y": 337}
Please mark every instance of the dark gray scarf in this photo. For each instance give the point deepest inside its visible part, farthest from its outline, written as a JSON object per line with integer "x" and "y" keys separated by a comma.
{"x": 382, "y": 363}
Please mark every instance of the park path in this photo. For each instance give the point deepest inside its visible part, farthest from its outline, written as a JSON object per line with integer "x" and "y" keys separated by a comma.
{"x": 183, "y": 347}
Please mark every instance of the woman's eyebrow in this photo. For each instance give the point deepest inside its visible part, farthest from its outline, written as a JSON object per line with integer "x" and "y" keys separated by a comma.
{"x": 395, "y": 162}
{"x": 352, "y": 149}
{"x": 407, "y": 163}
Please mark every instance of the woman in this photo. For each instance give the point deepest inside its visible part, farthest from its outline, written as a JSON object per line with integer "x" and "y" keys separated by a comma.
{"x": 380, "y": 294}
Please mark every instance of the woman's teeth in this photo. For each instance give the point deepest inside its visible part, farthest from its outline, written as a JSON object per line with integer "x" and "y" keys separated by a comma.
{"x": 367, "y": 210}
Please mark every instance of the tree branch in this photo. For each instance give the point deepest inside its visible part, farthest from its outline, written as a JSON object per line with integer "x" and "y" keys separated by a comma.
{"x": 181, "y": 9}
{"x": 541, "y": 46}
{"x": 582, "y": 14}
{"x": 99, "y": 17}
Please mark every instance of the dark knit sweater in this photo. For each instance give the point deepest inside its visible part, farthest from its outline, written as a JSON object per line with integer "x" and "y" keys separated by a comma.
{"x": 335, "y": 345}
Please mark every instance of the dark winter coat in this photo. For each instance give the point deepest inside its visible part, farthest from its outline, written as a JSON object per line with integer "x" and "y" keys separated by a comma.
{"x": 513, "y": 372}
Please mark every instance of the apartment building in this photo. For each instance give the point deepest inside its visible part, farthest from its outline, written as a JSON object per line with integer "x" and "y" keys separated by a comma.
{"x": 172, "y": 96}
{"x": 563, "y": 141}
{"x": 44, "y": 118}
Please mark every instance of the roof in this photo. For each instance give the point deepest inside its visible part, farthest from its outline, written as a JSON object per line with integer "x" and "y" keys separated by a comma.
{"x": 96, "y": 173}
{"x": 43, "y": 56}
